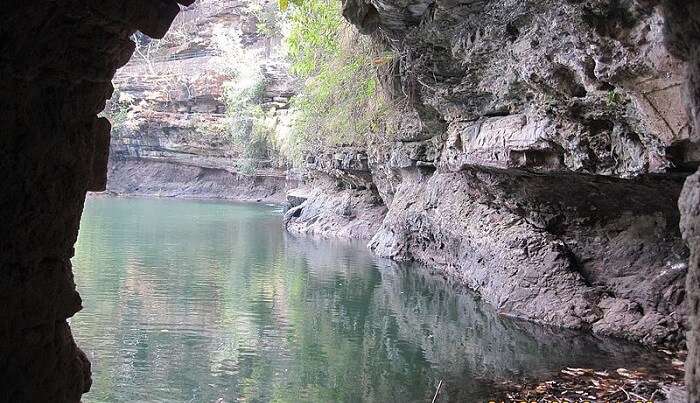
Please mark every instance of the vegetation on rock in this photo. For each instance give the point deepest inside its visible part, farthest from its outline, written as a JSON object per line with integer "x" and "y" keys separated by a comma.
{"x": 242, "y": 96}
{"x": 341, "y": 100}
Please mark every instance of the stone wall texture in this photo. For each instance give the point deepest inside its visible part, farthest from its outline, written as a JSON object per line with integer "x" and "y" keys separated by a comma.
{"x": 540, "y": 158}
{"x": 172, "y": 133}
{"x": 683, "y": 38}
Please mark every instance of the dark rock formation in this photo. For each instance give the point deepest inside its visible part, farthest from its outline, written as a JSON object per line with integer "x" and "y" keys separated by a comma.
{"x": 328, "y": 212}
{"x": 683, "y": 38}
{"x": 56, "y": 63}
{"x": 604, "y": 254}
{"x": 521, "y": 85}
{"x": 339, "y": 199}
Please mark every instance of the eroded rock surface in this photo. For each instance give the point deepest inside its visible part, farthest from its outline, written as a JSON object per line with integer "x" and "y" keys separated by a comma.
{"x": 339, "y": 198}
{"x": 602, "y": 254}
{"x": 539, "y": 157}
{"x": 683, "y": 26}
{"x": 155, "y": 177}
{"x": 172, "y": 134}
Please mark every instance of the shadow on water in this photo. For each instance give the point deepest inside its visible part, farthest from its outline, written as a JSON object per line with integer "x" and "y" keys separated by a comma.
{"x": 193, "y": 301}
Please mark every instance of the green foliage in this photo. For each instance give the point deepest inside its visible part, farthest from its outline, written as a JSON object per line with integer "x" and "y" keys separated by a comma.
{"x": 248, "y": 166}
{"x": 117, "y": 111}
{"x": 119, "y": 117}
{"x": 340, "y": 102}
{"x": 247, "y": 121}
{"x": 242, "y": 95}
{"x": 315, "y": 35}
{"x": 269, "y": 17}
{"x": 613, "y": 98}
{"x": 242, "y": 102}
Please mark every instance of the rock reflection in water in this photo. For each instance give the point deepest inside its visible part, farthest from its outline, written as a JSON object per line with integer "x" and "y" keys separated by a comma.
{"x": 193, "y": 301}
{"x": 457, "y": 338}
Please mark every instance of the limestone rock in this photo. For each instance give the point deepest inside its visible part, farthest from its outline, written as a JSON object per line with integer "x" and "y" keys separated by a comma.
{"x": 538, "y": 157}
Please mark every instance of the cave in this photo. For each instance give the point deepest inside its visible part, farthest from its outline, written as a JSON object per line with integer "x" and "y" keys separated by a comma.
{"x": 57, "y": 63}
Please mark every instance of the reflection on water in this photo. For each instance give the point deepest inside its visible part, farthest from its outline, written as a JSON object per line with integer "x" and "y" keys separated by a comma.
{"x": 195, "y": 301}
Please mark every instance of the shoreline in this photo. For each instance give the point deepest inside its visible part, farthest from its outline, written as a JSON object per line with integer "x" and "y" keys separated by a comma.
{"x": 104, "y": 194}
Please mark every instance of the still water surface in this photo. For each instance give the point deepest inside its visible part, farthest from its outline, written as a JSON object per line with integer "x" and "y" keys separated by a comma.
{"x": 206, "y": 302}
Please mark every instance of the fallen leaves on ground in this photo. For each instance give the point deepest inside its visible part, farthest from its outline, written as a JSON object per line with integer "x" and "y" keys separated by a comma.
{"x": 612, "y": 385}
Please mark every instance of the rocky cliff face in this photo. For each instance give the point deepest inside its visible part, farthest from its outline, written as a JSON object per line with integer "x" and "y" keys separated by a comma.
{"x": 683, "y": 38}
{"x": 338, "y": 198}
{"x": 538, "y": 159}
{"x": 171, "y": 136}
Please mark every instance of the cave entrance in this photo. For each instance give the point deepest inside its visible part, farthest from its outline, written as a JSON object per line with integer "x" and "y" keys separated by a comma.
{"x": 57, "y": 62}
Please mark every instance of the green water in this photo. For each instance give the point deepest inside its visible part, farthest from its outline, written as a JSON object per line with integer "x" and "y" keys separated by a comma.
{"x": 206, "y": 302}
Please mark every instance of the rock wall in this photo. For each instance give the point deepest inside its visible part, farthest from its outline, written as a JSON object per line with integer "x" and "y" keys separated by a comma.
{"x": 539, "y": 158}
{"x": 338, "y": 198}
{"x": 613, "y": 264}
{"x": 683, "y": 38}
{"x": 171, "y": 136}
{"x": 156, "y": 177}
{"x": 56, "y": 63}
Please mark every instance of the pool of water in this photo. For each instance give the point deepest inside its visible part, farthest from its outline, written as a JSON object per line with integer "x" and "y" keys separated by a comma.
{"x": 215, "y": 302}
